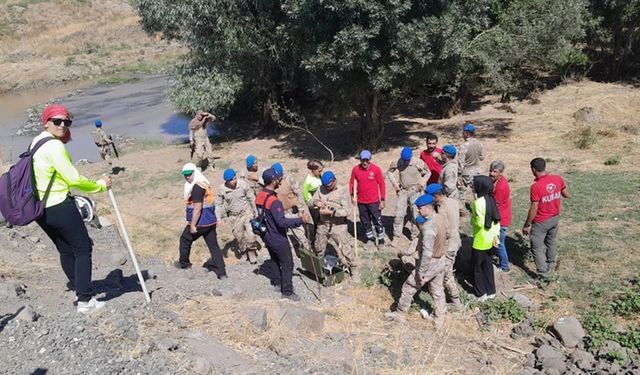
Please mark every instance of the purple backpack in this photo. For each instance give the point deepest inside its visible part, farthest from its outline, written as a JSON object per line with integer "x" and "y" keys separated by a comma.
{"x": 19, "y": 202}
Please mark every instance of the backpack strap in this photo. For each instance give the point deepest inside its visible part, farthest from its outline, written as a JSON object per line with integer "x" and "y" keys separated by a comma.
{"x": 32, "y": 152}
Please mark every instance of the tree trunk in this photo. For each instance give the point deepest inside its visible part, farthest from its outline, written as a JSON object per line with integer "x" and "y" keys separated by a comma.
{"x": 270, "y": 115}
{"x": 371, "y": 125}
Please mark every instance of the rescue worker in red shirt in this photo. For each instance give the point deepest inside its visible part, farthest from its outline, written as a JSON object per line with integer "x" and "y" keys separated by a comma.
{"x": 502, "y": 195}
{"x": 431, "y": 157}
{"x": 543, "y": 218}
{"x": 370, "y": 196}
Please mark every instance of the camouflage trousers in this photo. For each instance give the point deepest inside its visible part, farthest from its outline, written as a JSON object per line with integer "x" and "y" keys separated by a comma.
{"x": 450, "y": 284}
{"x": 465, "y": 181}
{"x": 434, "y": 277}
{"x": 405, "y": 206}
{"x": 105, "y": 153}
{"x": 203, "y": 151}
{"x": 242, "y": 232}
{"x": 298, "y": 233}
{"x": 340, "y": 235}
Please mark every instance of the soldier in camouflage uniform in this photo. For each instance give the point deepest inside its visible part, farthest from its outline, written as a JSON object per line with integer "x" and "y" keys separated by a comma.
{"x": 334, "y": 204}
{"x": 413, "y": 177}
{"x": 469, "y": 157}
{"x": 449, "y": 176}
{"x": 104, "y": 142}
{"x": 253, "y": 177}
{"x": 199, "y": 139}
{"x": 290, "y": 194}
{"x": 236, "y": 201}
{"x": 430, "y": 268}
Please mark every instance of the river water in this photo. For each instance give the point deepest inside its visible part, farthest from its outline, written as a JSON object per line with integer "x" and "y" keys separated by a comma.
{"x": 138, "y": 109}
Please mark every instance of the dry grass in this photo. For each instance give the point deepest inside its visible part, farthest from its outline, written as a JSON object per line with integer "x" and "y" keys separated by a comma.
{"x": 87, "y": 39}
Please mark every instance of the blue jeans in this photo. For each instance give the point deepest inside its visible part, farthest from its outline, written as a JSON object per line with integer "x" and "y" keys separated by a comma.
{"x": 502, "y": 249}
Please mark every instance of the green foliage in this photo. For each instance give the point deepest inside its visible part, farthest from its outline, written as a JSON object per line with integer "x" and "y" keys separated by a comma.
{"x": 507, "y": 309}
{"x": 601, "y": 328}
{"x": 612, "y": 160}
{"x": 194, "y": 89}
{"x": 628, "y": 304}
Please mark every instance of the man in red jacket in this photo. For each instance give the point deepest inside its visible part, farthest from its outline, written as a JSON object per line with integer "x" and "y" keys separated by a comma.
{"x": 431, "y": 157}
{"x": 502, "y": 195}
{"x": 370, "y": 196}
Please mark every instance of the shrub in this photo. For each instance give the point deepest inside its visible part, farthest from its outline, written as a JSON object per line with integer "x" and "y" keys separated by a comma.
{"x": 508, "y": 309}
{"x": 612, "y": 160}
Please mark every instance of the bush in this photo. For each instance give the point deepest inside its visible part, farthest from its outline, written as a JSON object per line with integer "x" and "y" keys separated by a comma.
{"x": 612, "y": 160}
{"x": 496, "y": 310}
{"x": 585, "y": 138}
{"x": 601, "y": 329}
{"x": 628, "y": 304}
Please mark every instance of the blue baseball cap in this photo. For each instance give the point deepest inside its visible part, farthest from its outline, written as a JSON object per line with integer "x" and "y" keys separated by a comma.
{"x": 420, "y": 219}
{"x": 228, "y": 174}
{"x": 449, "y": 149}
{"x": 277, "y": 167}
{"x": 433, "y": 188}
{"x": 269, "y": 175}
{"x": 424, "y": 200}
{"x": 365, "y": 155}
{"x": 469, "y": 128}
{"x": 251, "y": 160}
{"x": 98, "y": 123}
{"x": 406, "y": 154}
{"x": 327, "y": 178}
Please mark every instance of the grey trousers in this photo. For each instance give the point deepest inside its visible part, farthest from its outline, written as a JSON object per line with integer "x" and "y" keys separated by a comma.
{"x": 543, "y": 245}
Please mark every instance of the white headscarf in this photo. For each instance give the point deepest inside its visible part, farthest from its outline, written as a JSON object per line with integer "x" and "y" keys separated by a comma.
{"x": 197, "y": 177}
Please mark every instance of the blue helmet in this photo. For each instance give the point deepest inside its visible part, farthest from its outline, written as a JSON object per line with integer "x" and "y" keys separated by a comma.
{"x": 420, "y": 219}
{"x": 424, "y": 200}
{"x": 406, "y": 154}
{"x": 228, "y": 174}
{"x": 433, "y": 189}
{"x": 449, "y": 149}
{"x": 277, "y": 167}
{"x": 98, "y": 123}
{"x": 327, "y": 178}
{"x": 251, "y": 160}
{"x": 469, "y": 128}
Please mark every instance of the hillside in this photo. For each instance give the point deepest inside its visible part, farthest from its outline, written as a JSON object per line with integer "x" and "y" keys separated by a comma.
{"x": 48, "y": 42}
{"x": 193, "y": 315}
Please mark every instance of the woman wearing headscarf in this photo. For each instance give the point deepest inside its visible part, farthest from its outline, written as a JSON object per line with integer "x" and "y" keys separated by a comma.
{"x": 61, "y": 220}
{"x": 201, "y": 220}
{"x": 485, "y": 223}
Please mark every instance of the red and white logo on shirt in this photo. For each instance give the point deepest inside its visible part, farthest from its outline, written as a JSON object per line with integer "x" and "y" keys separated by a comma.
{"x": 371, "y": 176}
{"x": 551, "y": 188}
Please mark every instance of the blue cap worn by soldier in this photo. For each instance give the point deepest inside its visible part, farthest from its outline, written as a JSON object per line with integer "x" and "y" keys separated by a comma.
{"x": 406, "y": 154}
{"x": 424, "y": 200}
{"x": 98, "y": 123}
{"x": 469, "y": 128}
{"x": 228, "y": 175}
{"x": 450, "y": 150}
{"x": 277, "y": 167}
{"x": 433, "y": 189}
{"x": 251, "y": 160}
{"x": 327, "y": 178}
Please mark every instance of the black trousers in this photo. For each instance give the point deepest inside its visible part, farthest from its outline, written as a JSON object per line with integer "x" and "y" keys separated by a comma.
{"x": 216, "y": 263}
{"x": 370, "y": 213}
{"x": 64, "y": 226}
{"x": 281, "y": 256}
{"x": 483, "y": 281}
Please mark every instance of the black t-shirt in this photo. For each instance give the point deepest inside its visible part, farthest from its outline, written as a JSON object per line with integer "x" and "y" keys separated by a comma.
{"x": 197, "y": 194}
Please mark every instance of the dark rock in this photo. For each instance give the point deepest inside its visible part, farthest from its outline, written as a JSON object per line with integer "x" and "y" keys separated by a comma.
{"x": 551, "y": 358}
{"x": 582, "y": 359}
{"x": 524, "y": 329}
{"x": 586, "y": 115}
{"x": 569, "y": 331}
{"x": 530, "y": 360}
{"x": 300, "y": 318}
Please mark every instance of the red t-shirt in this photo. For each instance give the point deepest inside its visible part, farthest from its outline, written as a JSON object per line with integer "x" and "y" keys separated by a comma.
{"x": 547, "y": 191}
{"x": 371, "y": 187}
{"x": 434, "y": 166}
{"x": 502, "y": 194}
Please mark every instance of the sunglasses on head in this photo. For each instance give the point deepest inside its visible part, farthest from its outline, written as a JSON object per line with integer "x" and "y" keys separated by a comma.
{"x": 60, "y": 121}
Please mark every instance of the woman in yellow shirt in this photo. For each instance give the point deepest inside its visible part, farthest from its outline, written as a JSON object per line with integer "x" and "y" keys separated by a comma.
{"x": 485, "y": 224}
{"x": 61, "y": 220}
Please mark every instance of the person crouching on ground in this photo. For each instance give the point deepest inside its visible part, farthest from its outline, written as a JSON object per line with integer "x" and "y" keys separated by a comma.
{"x": 61, "y": 220}
{"x": 201, "y": 221}
{"x": 485, "y": 224}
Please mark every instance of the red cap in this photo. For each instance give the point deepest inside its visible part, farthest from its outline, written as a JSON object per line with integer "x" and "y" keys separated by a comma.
{"x": 54, "y": 110}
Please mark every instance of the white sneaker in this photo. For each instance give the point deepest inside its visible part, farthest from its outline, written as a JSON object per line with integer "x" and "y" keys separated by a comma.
{"x": 424, "y": 313}
{"x": 483, "y": 298}
{"x": 491, "y": 296}
{"x": 92, "y": 305}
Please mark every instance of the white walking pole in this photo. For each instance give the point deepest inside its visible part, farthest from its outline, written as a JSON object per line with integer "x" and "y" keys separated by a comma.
{"x": 123, "y": 230}
{"x": 355, "y": 212}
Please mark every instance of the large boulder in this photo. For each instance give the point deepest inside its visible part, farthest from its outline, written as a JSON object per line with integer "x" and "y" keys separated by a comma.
{"x": 582, "y": 359}
{"x": 551, "y": 359}
{"x": 300, "y": 318}
{"x": 569, "y": 331}
{"x": 206, "y": 350}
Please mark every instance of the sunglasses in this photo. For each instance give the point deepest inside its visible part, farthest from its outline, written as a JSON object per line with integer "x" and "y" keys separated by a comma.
{"x": 60, "y": 121}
